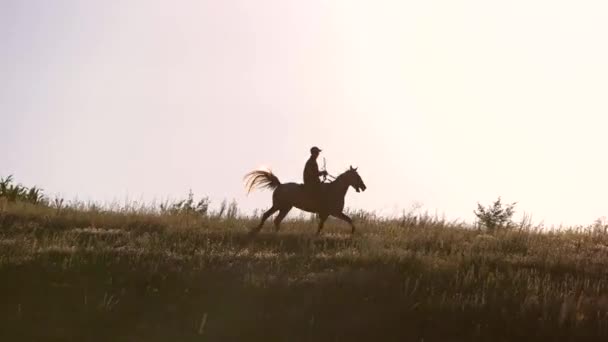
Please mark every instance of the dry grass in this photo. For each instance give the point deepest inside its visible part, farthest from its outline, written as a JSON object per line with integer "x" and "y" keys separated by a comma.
{"x": 130, "y": 274}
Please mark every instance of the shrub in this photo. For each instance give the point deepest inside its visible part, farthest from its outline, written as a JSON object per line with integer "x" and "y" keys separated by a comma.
{"x": 495, "y": 216}
{"x": 16, "y": 192}
{"x": 187, "y": 206}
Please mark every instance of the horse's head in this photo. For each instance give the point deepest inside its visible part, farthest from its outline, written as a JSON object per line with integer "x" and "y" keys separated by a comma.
{"x": 354, "y": 180}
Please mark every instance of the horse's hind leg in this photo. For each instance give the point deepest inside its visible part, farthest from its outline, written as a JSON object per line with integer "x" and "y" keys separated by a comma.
{"x": 279, "y": 218}
{"x": 347, "y": 219}
{"x": 265, "y": 216}
{"x": 322, "y": 219}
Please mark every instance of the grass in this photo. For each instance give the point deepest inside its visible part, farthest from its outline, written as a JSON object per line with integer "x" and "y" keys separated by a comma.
{"x": 82, "y": 273}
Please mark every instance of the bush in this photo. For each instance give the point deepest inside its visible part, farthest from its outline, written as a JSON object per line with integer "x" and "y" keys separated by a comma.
{"x": 16, "y": 192}
{"x": 187, "y": 206}
{"x": 495, "y": 216}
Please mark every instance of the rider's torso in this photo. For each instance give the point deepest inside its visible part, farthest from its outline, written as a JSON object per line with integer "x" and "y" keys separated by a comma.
{"x": 311, "y": 172}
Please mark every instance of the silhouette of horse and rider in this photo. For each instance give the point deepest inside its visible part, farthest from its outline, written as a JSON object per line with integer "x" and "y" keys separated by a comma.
{"x": 325, "y": 199}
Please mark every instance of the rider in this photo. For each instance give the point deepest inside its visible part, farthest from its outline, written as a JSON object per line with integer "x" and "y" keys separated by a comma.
{"x": 312, "y": 173}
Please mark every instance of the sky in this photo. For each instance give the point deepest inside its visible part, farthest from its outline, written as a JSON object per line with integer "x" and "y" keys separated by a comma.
{"x": 441, "y": 104}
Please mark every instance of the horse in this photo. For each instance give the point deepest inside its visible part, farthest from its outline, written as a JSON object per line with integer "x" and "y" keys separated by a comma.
{"x": 289, "y": 195}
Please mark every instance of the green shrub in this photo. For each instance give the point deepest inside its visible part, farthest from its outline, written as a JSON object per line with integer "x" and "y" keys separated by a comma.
{"x": 16, "y": 192}
{"x": 495, "y": 216}
{"x": 187, "y": 206}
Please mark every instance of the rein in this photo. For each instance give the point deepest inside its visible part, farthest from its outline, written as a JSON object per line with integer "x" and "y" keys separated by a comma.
{"x": 332, "y": 178}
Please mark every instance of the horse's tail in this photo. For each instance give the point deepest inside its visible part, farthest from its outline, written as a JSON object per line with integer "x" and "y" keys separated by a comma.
{"x": 261, "y": 179}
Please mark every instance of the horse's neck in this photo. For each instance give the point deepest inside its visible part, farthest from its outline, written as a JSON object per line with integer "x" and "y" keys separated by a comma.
{"x": 341, "y": 185}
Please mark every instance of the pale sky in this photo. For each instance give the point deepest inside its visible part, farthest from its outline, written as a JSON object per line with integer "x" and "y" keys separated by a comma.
{"x": 440, "y": 103}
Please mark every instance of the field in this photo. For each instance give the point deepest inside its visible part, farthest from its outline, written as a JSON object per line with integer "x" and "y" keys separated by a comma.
{"x": 83, "y": 273}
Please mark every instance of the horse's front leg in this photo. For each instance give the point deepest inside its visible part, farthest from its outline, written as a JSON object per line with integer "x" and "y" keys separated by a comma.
{"x": 322, "y": 219}
{"x": 347, "y": 219}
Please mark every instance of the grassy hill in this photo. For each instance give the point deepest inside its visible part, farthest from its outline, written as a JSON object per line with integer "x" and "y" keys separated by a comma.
{"x": 83, "y": 273}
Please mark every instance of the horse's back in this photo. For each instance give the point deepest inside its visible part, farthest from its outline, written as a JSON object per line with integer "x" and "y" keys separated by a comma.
{"x": 296, "y": 195}
{"x": 293, "y": 195}
{"x": 288, "y": 190}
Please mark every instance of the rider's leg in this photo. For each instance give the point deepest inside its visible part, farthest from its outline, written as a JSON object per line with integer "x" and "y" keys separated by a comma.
{"x": 318, "y": 193}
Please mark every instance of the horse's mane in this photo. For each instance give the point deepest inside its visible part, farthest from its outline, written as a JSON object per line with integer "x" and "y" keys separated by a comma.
{"x": 344, "y": 173}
